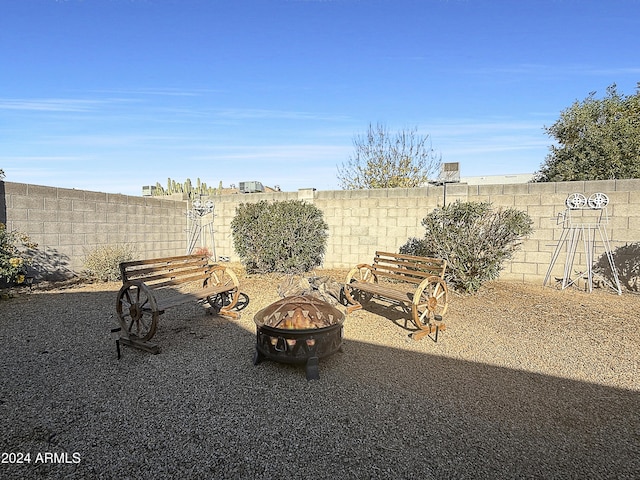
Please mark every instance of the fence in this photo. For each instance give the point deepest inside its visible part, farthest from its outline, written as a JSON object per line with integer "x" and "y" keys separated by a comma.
{"x": 67, "y": 222}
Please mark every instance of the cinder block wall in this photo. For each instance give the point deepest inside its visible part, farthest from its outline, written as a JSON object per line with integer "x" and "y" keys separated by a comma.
{"x": 363, "y": 221}
{"x": 545, "y": 203}
{"x": 67, "y": 223}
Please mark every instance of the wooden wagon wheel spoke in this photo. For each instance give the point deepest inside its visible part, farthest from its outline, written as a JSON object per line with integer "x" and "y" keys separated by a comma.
{"x": 127, "y": 294}
{"x": 137, "y": 311}
{"x": 438, "y": 292}
{"x": 362, "y": 273}
{"x": 222, "y": 277}
{"x": 430, "y": 301}
{"x": 365, "y": 275}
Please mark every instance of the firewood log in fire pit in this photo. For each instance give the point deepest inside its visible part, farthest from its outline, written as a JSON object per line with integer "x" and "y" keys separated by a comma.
{"x": 322, "y": 288}
{"x": 299, "y": 312}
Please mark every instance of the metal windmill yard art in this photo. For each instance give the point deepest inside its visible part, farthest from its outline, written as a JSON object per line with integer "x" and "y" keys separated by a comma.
{"x": 196, "y": 227}
{"x": 584, "y": 219}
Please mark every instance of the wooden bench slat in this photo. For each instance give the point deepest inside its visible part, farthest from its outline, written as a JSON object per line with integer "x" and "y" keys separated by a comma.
{"x": 141, "y": 265}
{"x": 142, "y": 272}
{"x": 145, "y": 268}
{"x": 172, "y": 278}
{"x": 409, "y": 257}
{"x": 403, "y": 275}
{"x": 387, "y": 292}
{"x": 411, "y": 264}
{"x": 178, "y": 280}
{"x": 402, "y": 278}
{"x": 176, "y": 299}
{"x": 166, "y": 260}
{"x": 415, "y": 269}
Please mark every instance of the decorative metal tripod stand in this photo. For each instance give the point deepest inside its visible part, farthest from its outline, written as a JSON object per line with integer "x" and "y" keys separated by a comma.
{"x": 575, "y": 226}
{"x": 196, "y": 227}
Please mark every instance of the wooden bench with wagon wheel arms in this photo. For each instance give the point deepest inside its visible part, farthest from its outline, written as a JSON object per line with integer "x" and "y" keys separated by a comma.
{"x": 150, "y": 287}
{"x": 415, "y": 283}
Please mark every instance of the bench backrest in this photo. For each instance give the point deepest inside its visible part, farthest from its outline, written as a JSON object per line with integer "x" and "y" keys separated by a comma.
{"x": 168, "y": 271}
{"x": 407, "y": 268}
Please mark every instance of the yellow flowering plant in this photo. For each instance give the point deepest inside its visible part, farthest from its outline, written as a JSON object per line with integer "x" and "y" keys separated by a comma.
{"x": 13, "y": 260}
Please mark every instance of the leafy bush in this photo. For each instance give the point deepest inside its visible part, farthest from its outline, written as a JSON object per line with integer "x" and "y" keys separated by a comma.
{"x": 474, "y": 239}
{"x": 103, "y": 262}
{"x": 13, "y": 254}
{"x": 286, "y": 237}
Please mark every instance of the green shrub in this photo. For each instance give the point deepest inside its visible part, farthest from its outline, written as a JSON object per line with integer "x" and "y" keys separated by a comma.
{"x": 286, "y": 237}
{"x": 103, "y": 262}
{"x": 13, "y": 254}
{"x": 474, "y": 239}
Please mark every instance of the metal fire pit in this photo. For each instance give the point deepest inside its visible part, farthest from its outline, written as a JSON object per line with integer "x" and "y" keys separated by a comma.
{"x": 298, "y": 329}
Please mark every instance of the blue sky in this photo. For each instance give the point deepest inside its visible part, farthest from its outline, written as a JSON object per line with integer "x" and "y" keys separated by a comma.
{"x": 111, "y": 95}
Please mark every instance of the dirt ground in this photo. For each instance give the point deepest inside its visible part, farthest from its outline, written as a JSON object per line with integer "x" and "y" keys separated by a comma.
{"x": 525, "y": 382}
{"x": 585, "y": 336}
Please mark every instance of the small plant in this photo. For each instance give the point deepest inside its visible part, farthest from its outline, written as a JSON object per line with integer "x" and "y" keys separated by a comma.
{"x": 285, "y": 237}
{"x": 474, "y": 239}
{"x": 13, "y": 254}
{"x": 103, "y": 262}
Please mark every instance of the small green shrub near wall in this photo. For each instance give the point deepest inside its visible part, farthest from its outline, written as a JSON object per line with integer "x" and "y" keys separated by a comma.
{"x": 285, "y": 237}
{"x": 14, "y": 258}
{"x": 474, "y": 239}
{"x": 103, "y": 262}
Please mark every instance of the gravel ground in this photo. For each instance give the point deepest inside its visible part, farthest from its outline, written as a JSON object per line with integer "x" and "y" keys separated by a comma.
{"x": 526, "y": 382}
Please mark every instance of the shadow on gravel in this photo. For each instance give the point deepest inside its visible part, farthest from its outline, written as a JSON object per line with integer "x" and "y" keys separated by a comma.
{"x": 627, "y": 262}
{"x": 201, "y": 409}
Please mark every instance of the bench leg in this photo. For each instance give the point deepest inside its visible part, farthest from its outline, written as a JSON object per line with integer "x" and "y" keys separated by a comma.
{"x": 141, "y": 345}
{"x": 428, "y": 330}
{"x": 353, "y": 308}
{"x": 228, "y": 313}
{"x": 350, "y": 302}
{"x": 223, "y": 303}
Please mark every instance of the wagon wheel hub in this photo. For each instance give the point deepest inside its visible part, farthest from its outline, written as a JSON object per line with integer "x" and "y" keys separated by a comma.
{"x": 135, "y": 311}
{"x": 432, "y": 303}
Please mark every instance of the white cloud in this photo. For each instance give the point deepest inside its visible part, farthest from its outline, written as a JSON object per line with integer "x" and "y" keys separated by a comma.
{"x": 52, "y": 104}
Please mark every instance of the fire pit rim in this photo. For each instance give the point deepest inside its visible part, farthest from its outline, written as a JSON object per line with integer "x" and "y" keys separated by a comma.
{"x": 339, "y": 317}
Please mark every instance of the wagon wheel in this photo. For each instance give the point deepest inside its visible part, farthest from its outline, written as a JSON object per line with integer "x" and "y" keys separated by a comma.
{"x": 222, "y": 277}
{"x": 362, "y": 273}
{"x": 430, "y": 302}
{"x": 137, "y": 311}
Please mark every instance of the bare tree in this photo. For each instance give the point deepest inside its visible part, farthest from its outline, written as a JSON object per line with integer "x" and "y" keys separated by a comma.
{"x": 381, "y": 160}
